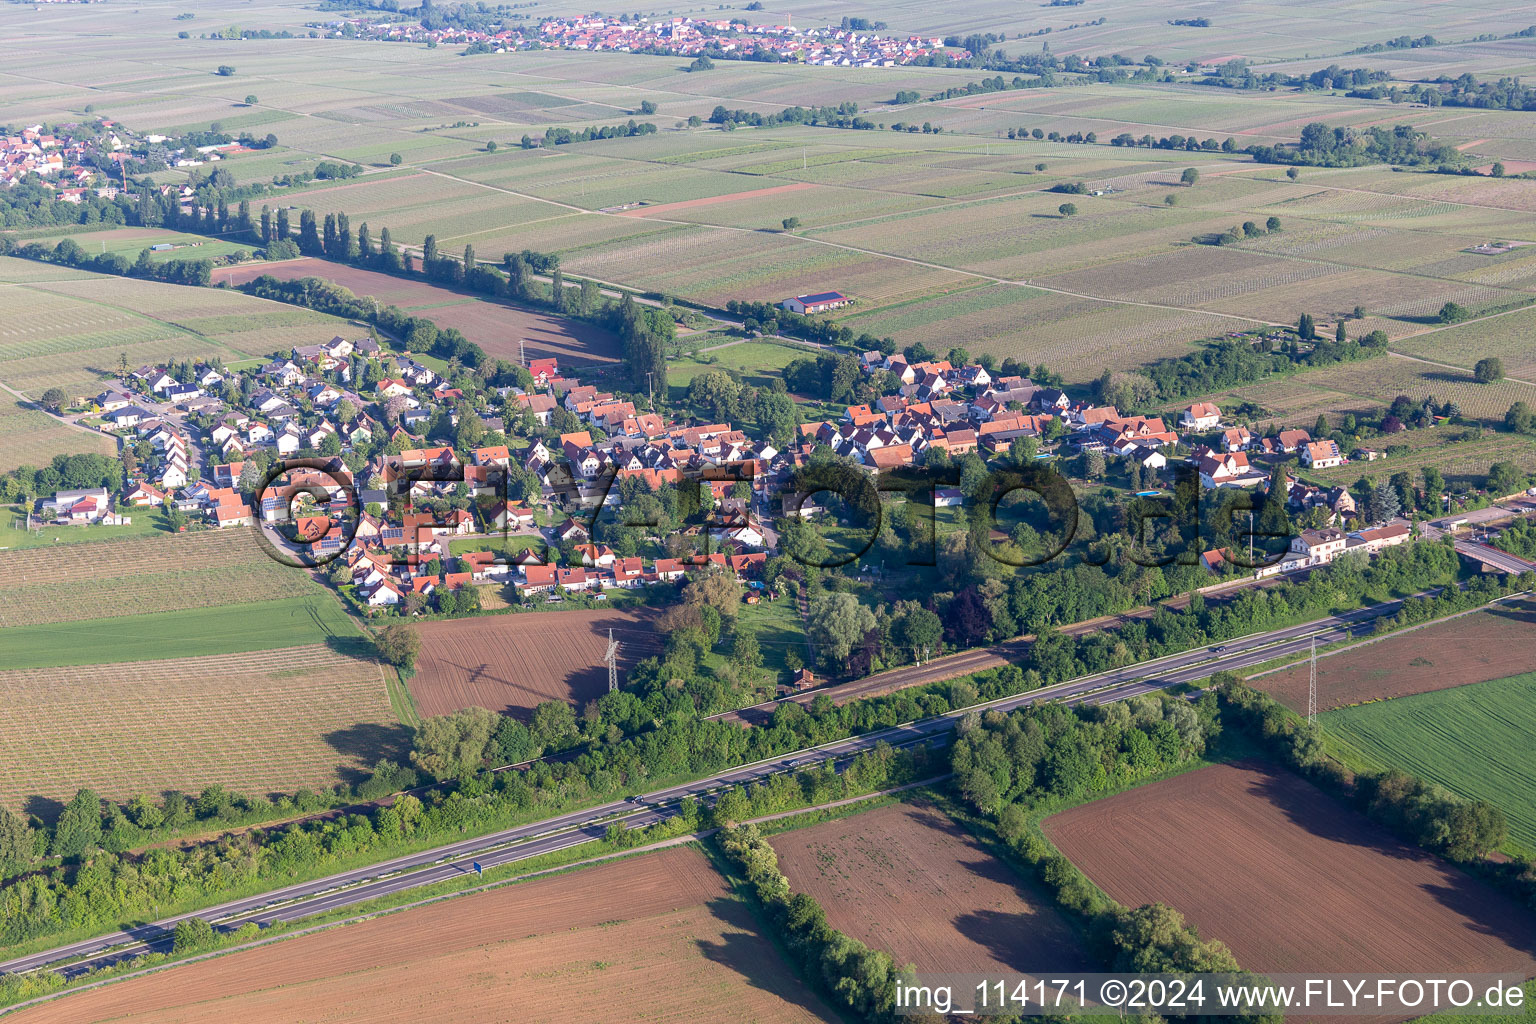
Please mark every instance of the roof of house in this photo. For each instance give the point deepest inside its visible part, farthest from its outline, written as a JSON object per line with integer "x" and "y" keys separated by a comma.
{"x": 818, "y": 297}
{"x": 890, "y": 456}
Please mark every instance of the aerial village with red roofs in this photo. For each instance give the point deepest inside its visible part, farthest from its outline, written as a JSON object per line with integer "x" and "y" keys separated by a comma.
{"x": 790, "y": 504}
{"x": 404, "y": 517}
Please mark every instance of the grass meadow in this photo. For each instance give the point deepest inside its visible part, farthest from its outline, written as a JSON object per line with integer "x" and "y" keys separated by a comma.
{"x": 193, "y": 632}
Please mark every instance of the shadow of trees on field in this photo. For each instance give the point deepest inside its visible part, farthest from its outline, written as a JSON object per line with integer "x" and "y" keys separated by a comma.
{"x": 752, "y": 957}
{"x": 359, "y": 647}
{"x": 45, "y": 809}
{"x": 1484, "y": 909}
{"x": 1517, "y": 611}
{"x": 365, "y": 744}
{"x": 1317, "y": 812}
{"x": 1033, "y": 940}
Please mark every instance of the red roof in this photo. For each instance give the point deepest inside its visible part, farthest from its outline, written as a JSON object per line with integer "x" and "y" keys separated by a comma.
{"x": 539, "y": 575}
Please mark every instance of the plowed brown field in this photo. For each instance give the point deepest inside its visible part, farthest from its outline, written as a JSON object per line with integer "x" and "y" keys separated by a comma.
{"x": 1491, "y": 644}
{"x": 908, "y": 880}
{"x": 498, "y": 329}
{"x": 1291, "y": 879}
{"x": 510, "y": 663}
{"x": 656, "y": 937}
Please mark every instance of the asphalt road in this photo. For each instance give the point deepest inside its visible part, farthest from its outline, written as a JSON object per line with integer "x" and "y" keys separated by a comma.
{"x": 509, "y": 846}
{"x": 1490, "y": 555}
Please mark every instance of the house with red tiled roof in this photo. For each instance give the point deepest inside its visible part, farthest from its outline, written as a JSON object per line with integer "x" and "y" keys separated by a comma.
{"x": 536, "y": 579}
{"x": 892, "y": 456}
{"x": 543, "y": 369}
{"x": 666, "y": 570}
{"x": 1236, "y": 439}
{"x": 1322, "y": 455}
{"x": 495, "y": 455}
{"x": 144, "y": 494}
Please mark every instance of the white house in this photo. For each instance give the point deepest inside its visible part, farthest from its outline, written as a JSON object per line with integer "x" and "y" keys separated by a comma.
{"x": 1319, "y": 546}
{"x": 289, "y": 441}
{"x": 1228, "y": 470}
{"x": 1322, "y": 455}
{"x": 1200, "y": 416}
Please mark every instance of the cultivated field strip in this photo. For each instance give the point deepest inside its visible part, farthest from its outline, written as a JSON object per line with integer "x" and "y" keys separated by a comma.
{"x": 1493, "y": 643}
{"x": 171, "y": 590}
{"x": 128, "y": 557}
{"x": 29, "y": 437}
{"x": 135, "y": 575}
{"x": 265, "y": 721}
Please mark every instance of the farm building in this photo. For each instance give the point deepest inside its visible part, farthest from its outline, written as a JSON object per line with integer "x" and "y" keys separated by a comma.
{"x": 818, "y": 302}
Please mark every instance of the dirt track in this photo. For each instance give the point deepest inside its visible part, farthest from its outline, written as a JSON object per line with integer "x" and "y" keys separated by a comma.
{"x": 689, "y": 204}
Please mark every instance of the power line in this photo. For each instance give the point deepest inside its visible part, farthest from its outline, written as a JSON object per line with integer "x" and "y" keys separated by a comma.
{"x": 1312, "y": 687}
{"x": 612, "y": 658}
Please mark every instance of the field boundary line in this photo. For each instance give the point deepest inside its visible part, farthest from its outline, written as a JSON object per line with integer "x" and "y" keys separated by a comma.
{"x": 1452, "y": 366}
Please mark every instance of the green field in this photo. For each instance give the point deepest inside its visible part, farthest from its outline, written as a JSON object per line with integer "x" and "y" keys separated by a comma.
{"x": 31, "y": 437}
{"x": 69, "y": 331}
{"x": 229, "y": 629}
{"x": 757, "y": 363}
{"x": 13, "y": 537}
{"x": 130, "y": 243}
{"x": 509, "y": 545}
{"x": 1468, "y": 739}
{"x": 779, "y": 630}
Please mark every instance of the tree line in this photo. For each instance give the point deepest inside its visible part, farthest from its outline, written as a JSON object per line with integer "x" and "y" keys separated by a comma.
{"x": 69, "y": 253}
{"x": 1015, "y": 768}
{"x": 565, "y": 136}
{"x": 1324, "y": 146}
{"x": 860, "y": 980}
{"x": 843, "y": 115}
{"x": 1231, "y": 362}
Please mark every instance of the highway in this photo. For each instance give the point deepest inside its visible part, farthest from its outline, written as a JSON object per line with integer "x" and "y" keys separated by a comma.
{"x": 455, "y": 860}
